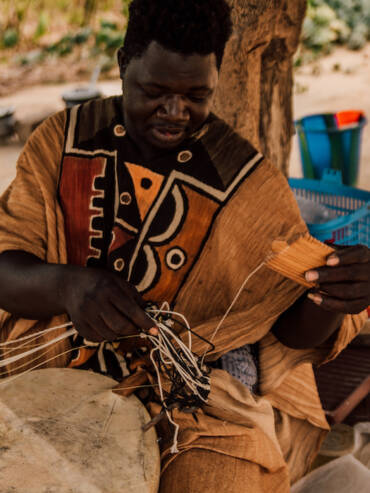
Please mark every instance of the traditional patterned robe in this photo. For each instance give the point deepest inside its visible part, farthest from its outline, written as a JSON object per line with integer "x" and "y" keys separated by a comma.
{"x": 186, "y": 228}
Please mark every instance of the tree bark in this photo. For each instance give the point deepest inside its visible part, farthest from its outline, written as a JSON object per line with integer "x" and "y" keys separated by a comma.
{"x": 256, "y": 80}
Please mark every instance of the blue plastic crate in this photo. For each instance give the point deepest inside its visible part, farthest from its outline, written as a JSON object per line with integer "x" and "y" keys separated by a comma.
{"x": 351, "y": 205}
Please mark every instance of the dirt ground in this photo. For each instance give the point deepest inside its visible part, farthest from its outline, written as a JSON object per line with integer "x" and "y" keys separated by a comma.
{"x": 337, "y": 82}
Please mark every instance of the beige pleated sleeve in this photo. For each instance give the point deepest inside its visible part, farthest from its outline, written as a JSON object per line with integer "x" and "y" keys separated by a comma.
{"x": 31, "y": 220}
{"x": 28, "y": 208}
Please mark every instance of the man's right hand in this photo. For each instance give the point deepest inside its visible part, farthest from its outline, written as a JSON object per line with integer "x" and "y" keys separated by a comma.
{"x": 101, "y": 305}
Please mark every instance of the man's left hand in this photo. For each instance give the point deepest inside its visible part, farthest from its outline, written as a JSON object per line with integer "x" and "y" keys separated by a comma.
{"x": 343, "y": 285}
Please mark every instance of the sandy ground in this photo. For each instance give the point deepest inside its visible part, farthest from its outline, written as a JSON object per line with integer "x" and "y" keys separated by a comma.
{"x": 337, "y": 82}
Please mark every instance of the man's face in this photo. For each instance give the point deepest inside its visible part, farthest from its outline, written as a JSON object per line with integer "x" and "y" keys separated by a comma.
{"x": 167, "y": 96}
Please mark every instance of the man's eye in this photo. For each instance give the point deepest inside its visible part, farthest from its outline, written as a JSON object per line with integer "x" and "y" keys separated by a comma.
{"x": 197, "y": 99}
{"x": 152, "y": 95}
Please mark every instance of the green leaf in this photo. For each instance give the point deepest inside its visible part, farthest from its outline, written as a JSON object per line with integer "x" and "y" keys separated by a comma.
{"x": 31, "y": 58}
{"x": 324, "y": 15}
{"x": 104, "y": 24}
{"x": 323, "y": 36}
{"x": 42, "y": 25}
{"x": 82, "y": 36}
{"x": 102, "y": 37}
{"x": 358, "y": 37}
{"x": 115, "y": 41}
{"x": 10, "y": 37}
{"x": 125, "y": 7}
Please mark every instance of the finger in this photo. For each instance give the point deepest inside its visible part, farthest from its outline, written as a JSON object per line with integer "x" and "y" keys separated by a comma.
{"x": 337, "y": 305}
{"x": 117, "y": 323}
{"x": 100, "y": 327}
{"x": 357, "y": 254}
{"x": 137, "y": 297}
{"x": 337, "y": 247}
{"x": 105, "y": 328}
{"x": 345, "y": 290}
{"x": 127, "y": 305}
{"x": 353, "y": 273}
{"x": 88, "y": 332}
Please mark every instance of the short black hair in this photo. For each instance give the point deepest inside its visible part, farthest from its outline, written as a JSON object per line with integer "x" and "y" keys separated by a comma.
{"x": 185, "y": 26}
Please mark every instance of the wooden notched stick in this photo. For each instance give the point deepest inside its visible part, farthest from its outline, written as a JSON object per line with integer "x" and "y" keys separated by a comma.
{"x": 294, "y": 260}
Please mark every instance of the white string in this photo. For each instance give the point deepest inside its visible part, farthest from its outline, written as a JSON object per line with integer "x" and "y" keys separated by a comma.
{"x": 24, "y": 345}
{"x": 163, "y": 344}
{"x": 174, "y": 448}
{"x": 61, "y": 337}
{"x": 28, "y": 340}
{"x": 26, "y": 363}
{"x": 10, "y": 379}
{"x": 219, "y": 325}
{"x": 36, "y": 334}
{"x": 172, "y": 313}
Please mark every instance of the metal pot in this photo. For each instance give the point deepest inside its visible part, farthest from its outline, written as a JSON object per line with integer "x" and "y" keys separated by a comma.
{"x": 80, "y": 95}
{"x": 7, "y": 121}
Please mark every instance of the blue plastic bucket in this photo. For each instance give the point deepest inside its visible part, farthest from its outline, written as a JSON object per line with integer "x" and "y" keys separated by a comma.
{"x": 326, "y": 143}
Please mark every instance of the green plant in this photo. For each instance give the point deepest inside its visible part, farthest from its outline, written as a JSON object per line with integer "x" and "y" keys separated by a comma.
{"x": 331, "y": 22}
{"x": 10, "y": 37}
{"x": 42, "y": 25}
{"x": 67, "y": 43}
{"x": 322, "y": 27}
{"x": 125, "y": 7}
{"x": 109, "y": 37}
{"x": 356, "y": 14}
{"x": 83, "y": 34}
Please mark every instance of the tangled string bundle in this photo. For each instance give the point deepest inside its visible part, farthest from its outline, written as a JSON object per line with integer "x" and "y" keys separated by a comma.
{"x": 171, "y": 357}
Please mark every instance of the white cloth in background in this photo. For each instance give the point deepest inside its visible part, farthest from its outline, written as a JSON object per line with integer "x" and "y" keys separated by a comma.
{"x": 347, "y": 474}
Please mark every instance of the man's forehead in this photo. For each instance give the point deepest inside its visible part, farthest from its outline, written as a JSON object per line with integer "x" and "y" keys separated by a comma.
{"x": 161, "y": 66}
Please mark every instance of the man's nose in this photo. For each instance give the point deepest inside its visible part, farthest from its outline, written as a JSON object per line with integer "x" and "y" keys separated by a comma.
{"x": 174, "y": 107}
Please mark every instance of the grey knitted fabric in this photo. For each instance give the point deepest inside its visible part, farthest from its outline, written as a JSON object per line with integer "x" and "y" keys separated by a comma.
{"x": 242, "y": 364}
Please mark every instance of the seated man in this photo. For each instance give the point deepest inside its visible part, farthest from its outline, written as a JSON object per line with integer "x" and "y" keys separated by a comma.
{"x": 148, "y": 197}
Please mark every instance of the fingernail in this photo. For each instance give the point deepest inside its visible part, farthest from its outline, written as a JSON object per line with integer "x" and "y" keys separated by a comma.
{"x": 312, "y": 275}
{"x": 316, "y": 298}
{"x": 153, "y": 331}
{"x": 333, "y": 260}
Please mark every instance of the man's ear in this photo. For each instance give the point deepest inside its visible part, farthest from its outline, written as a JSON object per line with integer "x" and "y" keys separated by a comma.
{"x": 120, "y": 59}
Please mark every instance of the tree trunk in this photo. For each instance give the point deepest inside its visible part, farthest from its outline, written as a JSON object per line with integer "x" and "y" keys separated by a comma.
{"x": 255, "y": 92}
